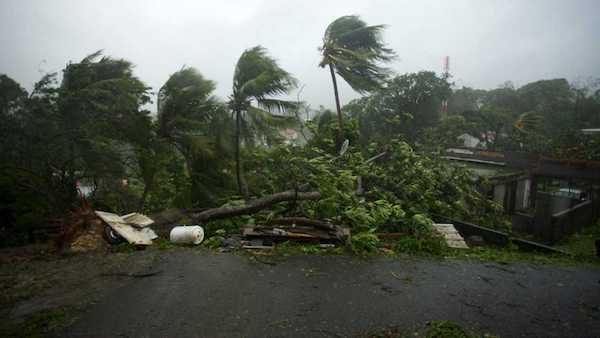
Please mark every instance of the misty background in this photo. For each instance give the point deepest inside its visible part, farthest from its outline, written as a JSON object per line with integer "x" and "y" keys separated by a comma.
{"x": 489, "y": 42}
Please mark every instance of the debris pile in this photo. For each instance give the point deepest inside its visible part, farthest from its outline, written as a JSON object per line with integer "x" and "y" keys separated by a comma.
{"x": 90, "y": 239}
{"x": 297, "y": 229}
{"x": 134, "y": 228}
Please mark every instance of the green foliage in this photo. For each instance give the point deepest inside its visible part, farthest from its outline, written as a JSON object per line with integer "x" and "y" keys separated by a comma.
{"x": 12, "y": 95}
{"x": 402, "y": 109}
{"x": 446, "y": 329}
{"x": 541, "y": 117}
{"x": 511, "y": 254}
{"x": 402, "y": 190}
{"x": 426, "y": 244}
{"x": 582, "y": 244}
{"x": 368, "y": 215}
{"x": 444, "y": 135}
{"x": 216, "y": 236}
{"x": 257, "y": 78}
{"x": 324, "y": 129}
{"x": 197, "y": 125}
{"x": 364, "y": 242}
{"x": 355, "y": 49}
{"x": 81, "y": 130}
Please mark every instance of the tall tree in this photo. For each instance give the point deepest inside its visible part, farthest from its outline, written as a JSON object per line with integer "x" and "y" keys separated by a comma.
{"x": 407, "y": 105}
{"x": 258, "y": 78}
{"x": 11, "y": 94}
{"x": 82, "y": 129}
{"x": 196, "y": 123}
{"x": 353, "y": 50}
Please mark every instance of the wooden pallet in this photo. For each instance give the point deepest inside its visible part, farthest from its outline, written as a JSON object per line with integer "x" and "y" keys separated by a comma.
{"x": 452, "y": 237}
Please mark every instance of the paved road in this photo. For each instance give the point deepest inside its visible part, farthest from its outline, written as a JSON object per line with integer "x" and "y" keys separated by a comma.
{"x": 225, "y": 295}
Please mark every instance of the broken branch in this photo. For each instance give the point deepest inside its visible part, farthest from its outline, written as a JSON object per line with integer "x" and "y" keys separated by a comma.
{"x": 255, "y": 205}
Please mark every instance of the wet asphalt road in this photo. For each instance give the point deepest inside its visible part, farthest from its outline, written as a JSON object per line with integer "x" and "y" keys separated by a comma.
{"x": 224, "y": 295}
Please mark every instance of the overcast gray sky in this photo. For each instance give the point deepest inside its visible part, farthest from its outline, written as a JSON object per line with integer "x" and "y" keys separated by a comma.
{"x": 489, "y": 42}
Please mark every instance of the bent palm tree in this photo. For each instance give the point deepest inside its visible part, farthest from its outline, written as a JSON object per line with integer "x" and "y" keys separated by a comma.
{"x": 258, "y": 78}
{"x": 353, "y": 50}
{"x": 185, "y": 106}
{"x": 195, "y": 123}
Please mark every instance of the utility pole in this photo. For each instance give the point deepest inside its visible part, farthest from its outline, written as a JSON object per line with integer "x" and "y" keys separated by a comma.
{"x": 445, "y": 76}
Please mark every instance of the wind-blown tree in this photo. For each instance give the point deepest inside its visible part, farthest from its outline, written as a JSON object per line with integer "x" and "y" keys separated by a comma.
{"x": 196, "y": 123}
{"x": 354, "y": 50}
{"x": 81, "y": 129}
{"x": 11, "y": 94}
{"x": 258, "y": 79}
{"x": 407, "y": 105}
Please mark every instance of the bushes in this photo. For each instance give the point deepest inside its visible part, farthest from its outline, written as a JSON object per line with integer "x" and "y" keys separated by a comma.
{"x": 364, "y": 242}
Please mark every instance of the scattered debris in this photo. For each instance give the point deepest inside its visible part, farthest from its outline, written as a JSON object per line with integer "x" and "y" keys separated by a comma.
{"x": 298, "y": 229}
{"x": 452, "y": 237}
{"x": 230, "y": 243}
{"x": 89, "y": 238}
{"x": 258, "y": 244}
{"x": 133, "y": 234}
{"x": 138, "y": 220}
{"x": 193, "y": 234}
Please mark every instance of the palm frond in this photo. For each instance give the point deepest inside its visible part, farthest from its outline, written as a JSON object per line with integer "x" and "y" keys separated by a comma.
{"x": 355, "y": 50}
{"x": 257, "y": 76}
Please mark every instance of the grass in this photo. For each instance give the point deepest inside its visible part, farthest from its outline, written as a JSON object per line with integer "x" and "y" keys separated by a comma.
{"x": 433, "y": 249}
{"x": 582, "y": 244}
{"x": 433, "y": 329}
{"x": 511, "y": 254}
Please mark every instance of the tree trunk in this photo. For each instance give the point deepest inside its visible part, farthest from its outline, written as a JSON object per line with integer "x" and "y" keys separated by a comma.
{"x": 238, "y": 175}
{"x": 255, "y": 205}
{"x": 337, "y": 106}
{"x": 144, "y": 197}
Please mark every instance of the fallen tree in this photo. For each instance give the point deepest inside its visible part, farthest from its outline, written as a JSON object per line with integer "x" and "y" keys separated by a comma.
{"x": 255, "y": 205}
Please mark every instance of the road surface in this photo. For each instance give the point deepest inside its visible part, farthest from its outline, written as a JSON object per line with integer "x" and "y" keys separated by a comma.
{"x": 198, "y": 294}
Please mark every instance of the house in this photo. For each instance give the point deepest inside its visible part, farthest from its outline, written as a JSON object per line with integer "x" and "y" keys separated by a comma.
{"x": 547, "y": 198}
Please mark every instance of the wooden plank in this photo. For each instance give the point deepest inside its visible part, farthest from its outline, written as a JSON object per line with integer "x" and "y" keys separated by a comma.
{"x": 451, "y": 236}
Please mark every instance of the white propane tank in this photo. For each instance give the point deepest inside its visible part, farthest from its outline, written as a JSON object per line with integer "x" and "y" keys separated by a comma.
{"x": 193, "y": 234}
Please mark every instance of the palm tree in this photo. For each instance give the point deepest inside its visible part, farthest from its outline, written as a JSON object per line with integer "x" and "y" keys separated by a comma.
{"x": 353, "y": 50}
{"x": 195, "y": 123}
{"x": 258, "y": 78}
